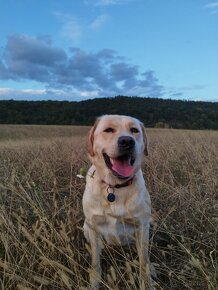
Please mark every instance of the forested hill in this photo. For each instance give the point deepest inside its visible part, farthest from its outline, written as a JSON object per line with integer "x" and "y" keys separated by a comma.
{"x": 152, "y": 111}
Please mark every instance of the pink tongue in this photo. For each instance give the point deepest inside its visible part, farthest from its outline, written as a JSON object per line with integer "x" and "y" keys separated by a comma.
{"x": 122, "y": 167}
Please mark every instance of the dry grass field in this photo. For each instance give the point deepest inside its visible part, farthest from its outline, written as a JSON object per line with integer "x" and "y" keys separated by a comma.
{"x": 41, "y": 239}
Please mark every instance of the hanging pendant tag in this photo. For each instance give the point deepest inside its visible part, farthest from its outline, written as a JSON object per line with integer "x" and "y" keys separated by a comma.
{"x": 111, "y": 196}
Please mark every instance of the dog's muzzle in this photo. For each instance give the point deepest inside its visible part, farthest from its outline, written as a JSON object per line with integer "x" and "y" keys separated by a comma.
{"x": 122, "y": 165}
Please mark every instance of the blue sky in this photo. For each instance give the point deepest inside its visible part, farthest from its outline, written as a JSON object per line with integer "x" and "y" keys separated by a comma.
{"x": 79, "y": 49}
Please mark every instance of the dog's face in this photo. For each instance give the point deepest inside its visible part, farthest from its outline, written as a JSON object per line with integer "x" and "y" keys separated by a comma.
{"x": 116, "y": 145}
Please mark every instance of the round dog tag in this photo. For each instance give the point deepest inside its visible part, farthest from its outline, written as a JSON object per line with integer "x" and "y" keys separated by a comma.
{"x": 111, "y": 197}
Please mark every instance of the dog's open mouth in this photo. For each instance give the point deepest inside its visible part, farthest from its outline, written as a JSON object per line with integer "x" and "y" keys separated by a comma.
{"x": 121, "y": 166}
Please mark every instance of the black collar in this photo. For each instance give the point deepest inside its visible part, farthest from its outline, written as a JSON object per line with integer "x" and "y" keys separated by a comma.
{"x": 124, "y": 184}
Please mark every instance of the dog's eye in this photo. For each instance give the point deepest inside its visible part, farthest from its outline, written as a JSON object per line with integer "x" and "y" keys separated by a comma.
{"x": 109, "y": 130}
{"x": 134, "y": 130}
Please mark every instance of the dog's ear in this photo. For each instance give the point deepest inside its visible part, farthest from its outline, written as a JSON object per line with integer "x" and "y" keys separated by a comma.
{"x": 91, "y": 138}
{"x": 145, "y": 139}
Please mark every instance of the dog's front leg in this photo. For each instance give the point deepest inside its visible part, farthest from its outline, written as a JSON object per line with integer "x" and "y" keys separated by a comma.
{"x": 95, "y": 272}
{"x": 142, "y": 241}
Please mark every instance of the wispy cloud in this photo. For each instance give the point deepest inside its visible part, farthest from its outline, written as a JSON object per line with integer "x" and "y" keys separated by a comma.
{"x": 99, "y": 21}
{"x": 108, "y": 2}
{"x": 182, "y": 92}
{"x": 71, "y": 28}
{"x": 74, "y": 29}
{"x": 213, "y": 7}
{"x": 103, "y": 73}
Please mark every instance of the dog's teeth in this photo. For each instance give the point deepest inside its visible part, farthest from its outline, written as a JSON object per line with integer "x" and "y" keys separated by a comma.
{"x": 132, "y": 160}
{"x": 111, "y": 160}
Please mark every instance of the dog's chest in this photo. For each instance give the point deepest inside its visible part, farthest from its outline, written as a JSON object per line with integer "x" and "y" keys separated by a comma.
{"x": 116, "y": 224}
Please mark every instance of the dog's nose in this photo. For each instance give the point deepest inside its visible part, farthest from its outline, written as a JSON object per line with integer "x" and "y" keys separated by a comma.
{"x": 126, "y": 142}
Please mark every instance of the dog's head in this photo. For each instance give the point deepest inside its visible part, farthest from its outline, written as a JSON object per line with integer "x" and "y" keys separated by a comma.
{"x": 116, "y": 146}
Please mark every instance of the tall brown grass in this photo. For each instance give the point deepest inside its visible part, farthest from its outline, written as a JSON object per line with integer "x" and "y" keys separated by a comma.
{"x": 42, "y": 244}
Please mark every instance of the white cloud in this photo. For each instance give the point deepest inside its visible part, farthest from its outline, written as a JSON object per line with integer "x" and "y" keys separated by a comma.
{"x": 39, "y": 94}
{"x": 91, "y": 94}
{"x": 7, "y": 93}
{"x": 10, "y": 91}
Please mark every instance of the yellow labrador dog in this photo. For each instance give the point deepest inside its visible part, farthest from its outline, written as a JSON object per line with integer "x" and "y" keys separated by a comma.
{"x": 116, "y": 203}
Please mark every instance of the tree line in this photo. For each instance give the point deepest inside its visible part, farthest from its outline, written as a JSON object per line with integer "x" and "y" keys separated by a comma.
{"x": 153, "y": 112}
